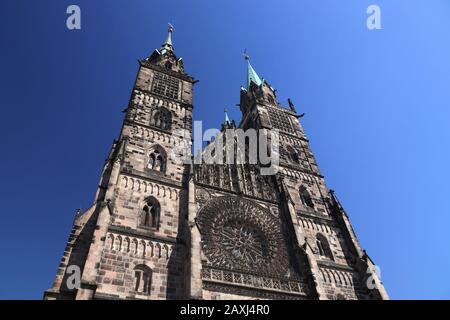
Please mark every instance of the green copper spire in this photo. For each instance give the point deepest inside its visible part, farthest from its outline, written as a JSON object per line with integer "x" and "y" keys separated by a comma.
{"x": 227, "y": 119}
{"x": 252, "y": 76}
{"x": 167, "y": 45}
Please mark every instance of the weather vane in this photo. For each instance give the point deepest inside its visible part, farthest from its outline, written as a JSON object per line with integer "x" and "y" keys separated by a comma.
{"x": 171, "y": 28}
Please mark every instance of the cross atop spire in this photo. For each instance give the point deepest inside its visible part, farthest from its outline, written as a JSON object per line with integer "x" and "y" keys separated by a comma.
{"x": 252, "y": 76}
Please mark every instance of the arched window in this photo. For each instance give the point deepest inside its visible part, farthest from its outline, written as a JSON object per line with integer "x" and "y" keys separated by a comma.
{"x": 142, "y": 279}
{"x": 168, "y": 65}
{"x": 157, "y": 159}
{"x": 162, "y": 119}
{"x": 270, "y": 99}
{"x": 306, "y": 198}
{"x": 323, "y": 248}
{"x": 150, "y": 214}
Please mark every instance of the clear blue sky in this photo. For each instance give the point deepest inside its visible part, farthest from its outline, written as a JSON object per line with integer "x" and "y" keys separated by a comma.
{"x": 376, "y": 104}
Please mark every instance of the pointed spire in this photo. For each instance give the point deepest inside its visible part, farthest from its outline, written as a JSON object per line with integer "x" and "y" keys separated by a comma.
{"x": 252, "y": 76}
{"x": 167, "y": 45}
{"x": 227, "y": 119}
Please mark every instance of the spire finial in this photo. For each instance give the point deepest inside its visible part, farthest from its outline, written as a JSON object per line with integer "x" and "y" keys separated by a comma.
{"x": 171, "y": 28}
{"x": 168, "y": 43}
{"x": 252, "y": 76}
{"x": 246, "y": 56}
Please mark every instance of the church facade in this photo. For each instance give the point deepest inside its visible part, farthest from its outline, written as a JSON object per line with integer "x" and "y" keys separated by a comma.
{"x": 164, "y": 229}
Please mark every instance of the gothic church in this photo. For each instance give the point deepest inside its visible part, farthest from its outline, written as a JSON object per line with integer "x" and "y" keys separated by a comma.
{"x": 160, "y": 229}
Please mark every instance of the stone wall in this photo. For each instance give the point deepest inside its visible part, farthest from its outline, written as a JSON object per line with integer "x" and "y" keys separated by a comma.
{"x": 122, "y": 253}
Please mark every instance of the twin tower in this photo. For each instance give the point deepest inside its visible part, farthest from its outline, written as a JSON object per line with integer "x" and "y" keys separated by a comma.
{"x": 161, "y": 229}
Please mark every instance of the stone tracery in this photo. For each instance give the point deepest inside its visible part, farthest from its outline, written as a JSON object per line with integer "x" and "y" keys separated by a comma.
{"x": 242, "y": 235}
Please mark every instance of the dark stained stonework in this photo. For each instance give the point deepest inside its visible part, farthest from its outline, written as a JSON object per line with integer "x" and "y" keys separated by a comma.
{"x": 158, "y": 229}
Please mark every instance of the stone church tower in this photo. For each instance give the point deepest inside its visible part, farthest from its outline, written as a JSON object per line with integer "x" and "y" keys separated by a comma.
{"x": 162, "y": 229}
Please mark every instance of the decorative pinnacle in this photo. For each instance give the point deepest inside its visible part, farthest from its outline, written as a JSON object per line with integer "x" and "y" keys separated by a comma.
{"x": 227, "y": 119}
